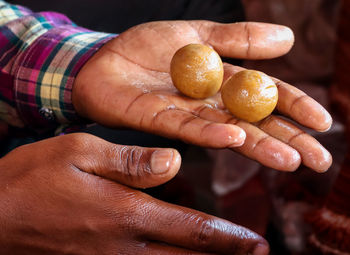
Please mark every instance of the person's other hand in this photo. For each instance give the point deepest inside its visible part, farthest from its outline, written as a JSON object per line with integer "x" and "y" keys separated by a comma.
{"x": 127, "y": 83}
{"x": 54, "y": 201}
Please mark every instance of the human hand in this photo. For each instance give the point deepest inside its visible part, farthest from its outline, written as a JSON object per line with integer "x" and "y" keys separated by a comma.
{"x": 127, "y": 83}
{"x": 54, "y": 201}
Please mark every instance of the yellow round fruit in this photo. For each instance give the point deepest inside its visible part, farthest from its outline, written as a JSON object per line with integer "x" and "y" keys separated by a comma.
{"x": 250, "y": 95}
{"x": 197, "y": 71}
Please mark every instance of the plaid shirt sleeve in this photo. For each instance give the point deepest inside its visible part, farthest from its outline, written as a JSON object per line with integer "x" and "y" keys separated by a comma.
{"x": 40, "y": 55}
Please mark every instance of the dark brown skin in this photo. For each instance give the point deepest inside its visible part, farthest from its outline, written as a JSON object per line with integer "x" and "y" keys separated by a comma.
{"x": 54, "y": 201}
{"x": 127, "y": 83}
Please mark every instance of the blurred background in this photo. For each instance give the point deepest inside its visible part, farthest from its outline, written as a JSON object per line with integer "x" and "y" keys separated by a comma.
{"x": 276, "y": 205}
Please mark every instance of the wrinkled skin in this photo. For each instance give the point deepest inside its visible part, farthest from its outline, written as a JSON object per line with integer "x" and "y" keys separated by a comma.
{"x": 54, "y": 201}
{"x": 127, "y": 83}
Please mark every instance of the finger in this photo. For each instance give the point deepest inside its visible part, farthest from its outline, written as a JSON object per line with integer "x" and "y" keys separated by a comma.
{"x": 258, "y": 145}
{"x": 195, "y": 230}
{"x": 130, "y": 165}
{"x": 268, "y": 150}
{"x": 313, "y": 154}
{"x": 153, "y": 248}
{"x": 193, "y": 129}
{"x": 294, "y": 103}
{"x": 248, "y": 40}
{"x": 175, "y": 117}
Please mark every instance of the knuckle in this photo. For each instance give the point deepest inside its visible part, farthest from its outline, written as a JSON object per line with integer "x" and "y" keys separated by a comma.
{"x": 129, "y": 160}
{"x": 248, "y": 38}
{"x": 202, "y": 235}
{"x": 75, "y": 147}
{"x": 78, "y": 141}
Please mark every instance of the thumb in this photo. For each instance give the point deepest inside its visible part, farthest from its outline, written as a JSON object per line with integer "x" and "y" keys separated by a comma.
{"x": 134, "y": 166}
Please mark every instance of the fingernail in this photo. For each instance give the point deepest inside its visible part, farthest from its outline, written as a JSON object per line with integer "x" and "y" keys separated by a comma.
{"x": 161, "y": 160}
{"x": 261, "y": 249}
{"x": 241, "y": 138}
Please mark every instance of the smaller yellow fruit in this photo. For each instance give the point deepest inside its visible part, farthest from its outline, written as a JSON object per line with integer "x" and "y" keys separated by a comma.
{"x": 197, "y": 71}
{"x": 250, "y": 95}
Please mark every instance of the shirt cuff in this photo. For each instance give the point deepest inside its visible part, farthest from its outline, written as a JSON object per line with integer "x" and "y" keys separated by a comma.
{"x": 46, "y": 73}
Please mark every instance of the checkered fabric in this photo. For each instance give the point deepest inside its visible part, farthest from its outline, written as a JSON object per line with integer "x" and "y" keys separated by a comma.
{"x": 40, "y": 56}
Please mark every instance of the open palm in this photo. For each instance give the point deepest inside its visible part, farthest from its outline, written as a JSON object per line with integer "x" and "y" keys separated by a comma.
{"x": 127, "y": 83}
